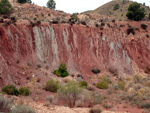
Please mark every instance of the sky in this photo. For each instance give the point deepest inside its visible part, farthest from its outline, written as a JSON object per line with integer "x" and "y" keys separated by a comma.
{"x": 74, "y": 6}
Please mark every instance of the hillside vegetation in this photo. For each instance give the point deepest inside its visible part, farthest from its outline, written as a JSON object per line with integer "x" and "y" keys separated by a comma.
{"x": 117, "y": 9}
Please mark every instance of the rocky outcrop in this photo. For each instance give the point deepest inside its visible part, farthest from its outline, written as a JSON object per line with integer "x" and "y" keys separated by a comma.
{"x": 82, "y": 48}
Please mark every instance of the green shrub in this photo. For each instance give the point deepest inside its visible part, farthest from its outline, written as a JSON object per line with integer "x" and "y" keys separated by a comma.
{"x": 102, "y": 24}
{"x": 144, "y": 26}
{"x": 38, "y": 22}
{"x": 121, "y": 85}
{"x": 116, "y": 6}
{"x": 10, "y": 90}
{"x": 90, "y": 88}
{"x": 83, "y": 84}
{"x": 96, "y": 71}
{"x": 74, "y": 18}
{"x": 29, "y": 64}
{"x": 108, "y": 25}
{"x": 64, "y": 74}
{"x": 102, "y": 85}
{"x": 146, "y": 105}
{"x": 13, "y": 18}
{"x": 5, "y": 7}
{"x": 62, "y": 71}
{"x": 121, "y": 25}
{"x": 24, "y": 91}
{"x": 23, "y": 109}
{"x": 5, "y": 104}
{"x": 83, "y": 23}
{"x": 147, "y": 35}
{"x": 52, "y": 86}
{"x": 56, "y": 72}
{"x": 113, "y": 20}
{"x": 137, "y": 78}
{"x": 32, "y": 23}
{"x": 95, "y": 110}
{"x": 106, "y": 79}
{"x": 38, "y": 65}
{"x": 130, "y": 30}
{"x": 106, "y": 106}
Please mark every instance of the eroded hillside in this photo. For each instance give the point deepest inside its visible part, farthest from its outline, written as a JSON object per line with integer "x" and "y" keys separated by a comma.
{"x": 82, "y": 48}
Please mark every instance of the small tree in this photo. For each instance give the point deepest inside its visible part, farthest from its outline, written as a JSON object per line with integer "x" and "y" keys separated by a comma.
{"x": 102, "y": 85}
{"x": 144, "y": 26}
{"x": 5, "y": 7}
{"x": 24, "y": 1}
{"x": 135, "y": 12}
{"x": 24, "y": 91}
{"x": 70, "y": 92}
{"x": 52, "y": 86}
{"x": 62, "y": 71}
{"x": 116, "y": 7}
{"x": 51, "y": 4}
{"x": 10, "y": 90}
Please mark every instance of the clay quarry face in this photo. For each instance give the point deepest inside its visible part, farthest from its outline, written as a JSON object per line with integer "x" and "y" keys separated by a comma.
{"x": 81, "y": 48}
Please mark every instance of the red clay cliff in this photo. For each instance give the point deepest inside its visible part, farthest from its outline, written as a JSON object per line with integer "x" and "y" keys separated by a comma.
{"x": 82, "y": 48}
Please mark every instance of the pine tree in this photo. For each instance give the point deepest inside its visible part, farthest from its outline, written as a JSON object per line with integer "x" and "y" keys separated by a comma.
{"x": 5, "y": 7}
{"x": 135, "y": 12}
{"x": 24, "y": 1}
{"x": 51, "y": 4}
